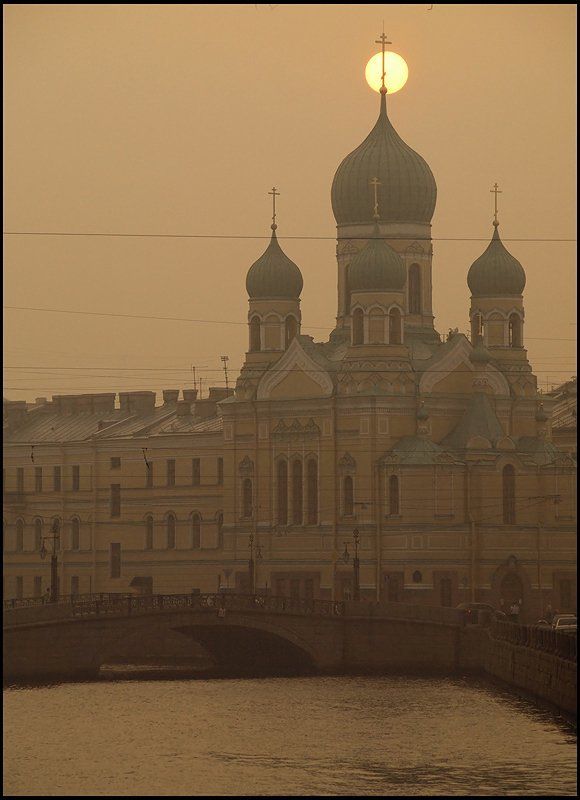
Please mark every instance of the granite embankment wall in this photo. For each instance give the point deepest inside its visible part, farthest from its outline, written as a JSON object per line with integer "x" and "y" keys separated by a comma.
{"x": 542, "y": 674}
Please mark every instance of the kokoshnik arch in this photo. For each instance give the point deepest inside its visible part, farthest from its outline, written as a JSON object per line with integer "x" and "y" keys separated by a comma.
{"x": 437, "y": 449}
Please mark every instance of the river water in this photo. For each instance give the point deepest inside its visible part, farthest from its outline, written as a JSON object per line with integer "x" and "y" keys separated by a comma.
{"x": 282, "y": 736}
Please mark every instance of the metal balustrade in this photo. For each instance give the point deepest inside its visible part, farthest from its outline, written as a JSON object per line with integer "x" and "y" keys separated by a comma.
{"x": 126, "y": 605}
{"x": 27, "y": 602}
{"x": 561, "y": 644}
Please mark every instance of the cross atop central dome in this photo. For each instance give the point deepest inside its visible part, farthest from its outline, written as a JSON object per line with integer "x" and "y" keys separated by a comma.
{"x": 408, "y": 188}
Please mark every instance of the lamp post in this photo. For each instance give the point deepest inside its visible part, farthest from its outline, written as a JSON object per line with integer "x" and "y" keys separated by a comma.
{"x": 252, "y": 563}
{"x": 55, "y": 530}
{"x": 355, "y": 564}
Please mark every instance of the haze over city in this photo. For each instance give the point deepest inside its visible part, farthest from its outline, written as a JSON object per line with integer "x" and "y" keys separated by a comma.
{"x": 179, "y": 119}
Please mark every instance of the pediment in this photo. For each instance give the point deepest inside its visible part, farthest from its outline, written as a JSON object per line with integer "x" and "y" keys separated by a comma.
{"x": 454, "y": 372}
{"x": 478, "y": 443}
{"x": 295, "y": 375}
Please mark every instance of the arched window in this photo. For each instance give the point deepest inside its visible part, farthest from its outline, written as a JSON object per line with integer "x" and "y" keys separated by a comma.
{"x": 394, "y": 505}
{"x": 515, "y": 331}
{"x": 312, "y": 491}
{"x": 255, "y": 343}
{"x": 348, "y": 496}
{"x": 37, "y": 534}
{"x": 509, "y": 495}
{"x": 297, "y": 492}
{"x": 282, "y": 492}
{"x": 196, "y": 532}
{"x": 247, "y": 497}
{"x": 376, "y": 326}
{"x": 19, "y": 535}
{"x": 395, "y": 326}
{"x": 75, "y": 535}
{"x": 171, "y": 525}
{"x": 220, "y": 529}
{"x": 414, "y": 289}
{"x": 149, "y": 533}
{"x": 358, "y": 326}
{"x": 476, "y": 329}
{"x": 291, "y": 329}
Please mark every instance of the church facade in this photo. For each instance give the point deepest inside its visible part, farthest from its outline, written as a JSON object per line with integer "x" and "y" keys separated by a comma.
{"x": 429, "y": 457}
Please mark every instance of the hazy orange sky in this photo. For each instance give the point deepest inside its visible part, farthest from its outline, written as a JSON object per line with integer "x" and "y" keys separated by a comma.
{"x": 178, "y": 119}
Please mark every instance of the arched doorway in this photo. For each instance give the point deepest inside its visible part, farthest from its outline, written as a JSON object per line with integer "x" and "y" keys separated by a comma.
{"x": 511, "y": 590}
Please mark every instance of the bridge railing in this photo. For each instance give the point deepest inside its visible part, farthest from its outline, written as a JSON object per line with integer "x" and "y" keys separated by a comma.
{"x": 29, "y": 602}
{"x": 153, "y": 603}
{"x": 546, "y": 639}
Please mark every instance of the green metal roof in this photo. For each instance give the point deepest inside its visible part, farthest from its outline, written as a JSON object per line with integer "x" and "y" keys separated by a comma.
{"x": 377, "y": 267}
{"x": 479, "y": 419}
{"x": 274, "y": 275}
{"x": 496, "y": 272}
{"x": 408, "y": 191}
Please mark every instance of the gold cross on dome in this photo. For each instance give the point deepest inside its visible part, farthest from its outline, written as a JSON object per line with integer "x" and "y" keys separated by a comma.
{"x": 375, "y": 183}
{"x": 496, "y": 190}
{"x": 274, "y": 194}
{"x": 382, "y": 40}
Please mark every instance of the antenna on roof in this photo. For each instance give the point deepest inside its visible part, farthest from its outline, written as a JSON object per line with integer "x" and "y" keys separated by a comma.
{"x": 225, "y": 360}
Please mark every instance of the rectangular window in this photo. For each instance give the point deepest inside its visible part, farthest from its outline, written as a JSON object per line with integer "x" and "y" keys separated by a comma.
{"x": 19, "y": 587}
{"x": 115, "y": 560}
{"x": 38, "y": 479}
{"x": 171, "y": 472}
{"x": 149, "y": 475}
{"x": 115, "y": 462}
{"x": 220, "y": 471}
{"x": 20, "y": 479}
{"x": 38, "y": 586}
{"x": 76, "y": 478}
{"x": 115, "y": 499}
{"x": 196, "y": 471}
{"x": 74, "y": 584}
{"x": 56, "y": 478}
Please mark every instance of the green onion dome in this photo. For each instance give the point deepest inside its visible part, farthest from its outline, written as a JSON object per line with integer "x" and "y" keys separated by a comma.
{"x": 377, "y": 267}
{"x": 496, "y": 272}
{"x": 408, "y": 190}
{"x": 274, "y": 275}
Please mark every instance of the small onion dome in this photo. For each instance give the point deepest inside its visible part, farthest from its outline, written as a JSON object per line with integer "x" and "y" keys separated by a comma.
{"x": 422, "y": 414}
{"x": 377, "y": 267}
{"x": 541, "y": 415}
{"x": 496, "y": 272}
{"x": 408, "y": 190}
{"x": 274, "y": 275}
{"x": 480, "y": 354}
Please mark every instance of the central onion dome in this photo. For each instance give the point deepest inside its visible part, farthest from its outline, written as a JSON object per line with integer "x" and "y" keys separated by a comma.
{"x": 274, "y": 275}
{"x": 408, "y": 188}
{"x": 496, "y": 272}
{"x": 377, "y": 267}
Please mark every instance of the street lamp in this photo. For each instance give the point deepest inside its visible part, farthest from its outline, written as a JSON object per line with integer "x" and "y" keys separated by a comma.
{"x": 355, "y": 563}
{"x": 252, "y": 564}
{"x": 55, "y": 530}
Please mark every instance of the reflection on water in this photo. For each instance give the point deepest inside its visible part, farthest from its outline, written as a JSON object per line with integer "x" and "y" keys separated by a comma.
{"x": 293, "y": 736}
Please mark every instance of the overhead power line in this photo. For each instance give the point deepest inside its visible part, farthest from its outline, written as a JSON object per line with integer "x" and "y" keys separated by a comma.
{"x": 266, "y": 237}
{"x": 190, "y": 319}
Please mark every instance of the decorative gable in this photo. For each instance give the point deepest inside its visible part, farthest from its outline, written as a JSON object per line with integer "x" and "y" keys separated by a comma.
{"x": 295, "y": 375}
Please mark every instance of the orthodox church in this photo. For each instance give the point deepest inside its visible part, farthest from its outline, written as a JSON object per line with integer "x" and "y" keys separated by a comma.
{"x": 388, "y": 462}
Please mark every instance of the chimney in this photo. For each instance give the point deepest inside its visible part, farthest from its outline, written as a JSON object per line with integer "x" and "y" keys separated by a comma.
{"x": 190, "y": 395}
{"x": 14, "y": 412}
{"x": 204, "y": 409}
{"x": 183, "y": 408}
{"x": 217, "y": 393}
{"x": 170, "y": 396}
{"x": 137, "y": 402}
{"x": 40, "y": 401}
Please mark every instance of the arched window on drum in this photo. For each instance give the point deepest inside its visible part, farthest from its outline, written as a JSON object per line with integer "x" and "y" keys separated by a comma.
{"x": 414, "y": 289}
{"x": 395, "y": 332}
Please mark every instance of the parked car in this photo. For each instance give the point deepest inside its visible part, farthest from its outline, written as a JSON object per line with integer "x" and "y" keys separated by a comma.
{"x": 565, "y": 623}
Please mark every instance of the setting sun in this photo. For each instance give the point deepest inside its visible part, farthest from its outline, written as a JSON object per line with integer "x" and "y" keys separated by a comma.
{"x": 396, "y": 72}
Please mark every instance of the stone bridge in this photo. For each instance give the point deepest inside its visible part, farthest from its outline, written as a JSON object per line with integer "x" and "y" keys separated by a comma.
{"x": 242, "y": 634}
